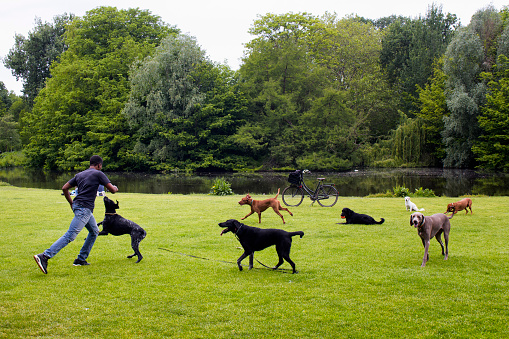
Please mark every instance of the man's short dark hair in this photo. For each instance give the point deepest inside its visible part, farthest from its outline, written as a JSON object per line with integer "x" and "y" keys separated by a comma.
{"x": 95, "y": 160}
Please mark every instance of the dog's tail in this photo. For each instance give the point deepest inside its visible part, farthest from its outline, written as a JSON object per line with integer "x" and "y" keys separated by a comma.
{"x": 381, "y": 221}
{"x": 277, "y": 193}
{"x": 297, "y": 233}
{"x": 449, "y": 217}
{"x": 421, "y": 209}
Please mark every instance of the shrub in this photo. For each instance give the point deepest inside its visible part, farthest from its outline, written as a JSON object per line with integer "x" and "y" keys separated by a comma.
{"x": 401, "y": 191}
{"x": 221, "y": 187}
{"x": 419, "y": 192}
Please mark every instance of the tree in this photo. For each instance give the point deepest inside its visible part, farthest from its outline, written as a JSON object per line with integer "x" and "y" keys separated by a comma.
{"x": 30, "y": 59}
{"x": 183, "y": 108}
{"x": 11, "y": 107}
{"x": 316, "y": 89}
{"x": 78, "y": 113}
{"x": 409, "y": 49}
{"x": 280, "y": 83}
{"x": 468, "y": 54}
{"x": 492, "y": 148}
{"x": 432, "y": 110}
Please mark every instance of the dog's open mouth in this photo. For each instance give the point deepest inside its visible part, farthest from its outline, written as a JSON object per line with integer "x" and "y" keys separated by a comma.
{"x": 224, "y": 231}
{"x": 343, "y": 217}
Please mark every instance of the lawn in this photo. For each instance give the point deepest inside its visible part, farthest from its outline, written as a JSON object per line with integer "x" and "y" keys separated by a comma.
{"x": 354, "y": 281}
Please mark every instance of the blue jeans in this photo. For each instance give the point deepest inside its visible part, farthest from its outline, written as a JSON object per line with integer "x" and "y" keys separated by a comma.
{"x": 83, "y": 217}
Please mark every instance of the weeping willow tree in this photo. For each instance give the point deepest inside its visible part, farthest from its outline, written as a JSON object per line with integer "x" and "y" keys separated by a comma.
{"x": 404, "y": 148}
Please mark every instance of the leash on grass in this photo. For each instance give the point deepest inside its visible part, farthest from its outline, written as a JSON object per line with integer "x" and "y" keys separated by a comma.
{"x": 282, "y": 270}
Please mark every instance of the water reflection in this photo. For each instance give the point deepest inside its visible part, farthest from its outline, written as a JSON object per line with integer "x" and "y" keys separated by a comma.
{"x": 354, "y": 183}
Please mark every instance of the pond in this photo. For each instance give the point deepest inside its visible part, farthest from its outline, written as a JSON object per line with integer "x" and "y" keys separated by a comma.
{"x": 447, "y": 182}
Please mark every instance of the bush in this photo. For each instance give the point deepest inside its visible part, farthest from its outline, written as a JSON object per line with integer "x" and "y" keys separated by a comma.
{"x": 401, "y": 191}
{"x": 12, "y": 159}
{"x": 221, "y": 187}
{"x": 419, "y": 192}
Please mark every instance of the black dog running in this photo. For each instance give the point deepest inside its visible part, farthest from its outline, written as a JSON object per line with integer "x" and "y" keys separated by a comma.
{"x": 115, "y": 224}
{"x": 256, "y": 239}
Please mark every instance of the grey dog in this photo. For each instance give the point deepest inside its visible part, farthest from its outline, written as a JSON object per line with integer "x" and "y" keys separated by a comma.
{"x": 429, "y": 227}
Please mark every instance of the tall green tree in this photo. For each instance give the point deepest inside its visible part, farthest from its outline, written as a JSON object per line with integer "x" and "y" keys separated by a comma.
{"x": 78, "y": 113}
{"x": 469, "y": 53}
{"x": 409, "y": 49}
{"x": 183, "y": 108}
{"x": 314, "y": 82}
{"x": 492, "y": 148}
{"x": 432, "y": 110}
{"x": 280, "y": 85}
{"x": 30, "y": 58}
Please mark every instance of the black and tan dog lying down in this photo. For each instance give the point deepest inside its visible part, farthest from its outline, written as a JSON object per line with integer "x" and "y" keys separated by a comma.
{"x": 357, "y": 218}
{"x": 256, "y": 239}
{"x": 115, "y": 224}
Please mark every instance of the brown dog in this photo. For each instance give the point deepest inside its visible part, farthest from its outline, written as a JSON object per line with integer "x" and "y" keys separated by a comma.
{"x": 259, "y": 206}
{"x": 429, "y": 227}
{"x": 463, "y": 204}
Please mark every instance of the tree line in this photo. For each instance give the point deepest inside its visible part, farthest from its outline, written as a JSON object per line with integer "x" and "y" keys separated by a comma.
{"x": 316, "y": 92}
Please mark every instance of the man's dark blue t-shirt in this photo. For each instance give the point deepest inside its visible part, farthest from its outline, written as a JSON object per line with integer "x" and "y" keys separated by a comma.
{"x": 87, "y": 183}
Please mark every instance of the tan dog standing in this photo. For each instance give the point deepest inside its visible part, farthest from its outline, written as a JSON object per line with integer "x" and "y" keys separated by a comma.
{"x": 429, "y": 227}
{"x": 463, "y": 204}
{"x": 259, "y": 206}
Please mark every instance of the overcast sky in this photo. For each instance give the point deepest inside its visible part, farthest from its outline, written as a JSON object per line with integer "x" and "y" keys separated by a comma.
{"x": 219, "y": 26}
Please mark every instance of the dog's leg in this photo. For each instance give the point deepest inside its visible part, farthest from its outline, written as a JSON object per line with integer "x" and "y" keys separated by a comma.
{"x": 281, "y": 208}
{"x": 438, "y": 236}
{"x": 277, "y": 212}
{"x": 248, "y": 215}
{"x": 251, "y": 257}
{"x": 239, "y": 260}
{"x": 426, "y": 249}
{"x": 136, "y": 238}
{"x": 280, "y": 262}
{"x": 283, "y": 252}
{"x": 259, "y": 217}
{"x": 446, "y": 239}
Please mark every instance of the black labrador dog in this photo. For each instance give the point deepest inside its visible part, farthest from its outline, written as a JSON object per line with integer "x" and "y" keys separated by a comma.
{"x": 256, "y": 239}
{"x": 115, "y": 224}
{"x": 356, "y": 218}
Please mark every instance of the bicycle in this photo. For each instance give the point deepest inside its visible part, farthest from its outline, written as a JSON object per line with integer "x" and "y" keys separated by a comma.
{"x": 293, "y": 195}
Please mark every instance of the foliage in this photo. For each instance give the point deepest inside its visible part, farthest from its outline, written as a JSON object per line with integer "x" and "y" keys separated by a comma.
{"x": 409, "y": 49}
{"x": 432, "y": 110}
{"x": 221, "y": 187}
{"x": 77, "y": 114}
{"x": 354, "y": 281}
{"x": 30, "y": 59}
{"x": 468, "y": 54}
{"x": 12, "y": 159}
{"x": 11, "y": 108}
{"x": 401, "y": 191}
{"x": 420, "y": 192}
{"x": 316, "y": 90}
{"x": 492, "y": 149}
{"x": 182, "y": 109}
{"x": 325, "y": 93}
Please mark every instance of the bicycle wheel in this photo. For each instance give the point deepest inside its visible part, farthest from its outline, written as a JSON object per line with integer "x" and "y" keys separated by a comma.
{"x": 293, "y": 196}
{"x": 327, "y": 196}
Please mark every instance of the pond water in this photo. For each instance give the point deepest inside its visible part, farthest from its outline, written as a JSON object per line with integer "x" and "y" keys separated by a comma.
{"x": 445, "y": 182}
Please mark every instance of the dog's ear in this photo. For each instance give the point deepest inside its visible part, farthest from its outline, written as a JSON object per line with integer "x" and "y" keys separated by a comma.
{"x": 117, "y": 204}
{"x": 411, "y": 215}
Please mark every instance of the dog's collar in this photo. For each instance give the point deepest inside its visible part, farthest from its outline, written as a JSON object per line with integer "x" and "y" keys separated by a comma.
{"x": 110, "y": 213}
{"x": 237, "y": 230}
{"x": 419, "y": 227}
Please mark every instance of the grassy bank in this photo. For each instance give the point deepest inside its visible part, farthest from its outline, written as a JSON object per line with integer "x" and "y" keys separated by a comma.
{"x": 354, "y": 281}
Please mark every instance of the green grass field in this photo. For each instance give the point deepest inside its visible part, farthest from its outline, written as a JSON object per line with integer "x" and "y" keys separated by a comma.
{"x": 354, "y": 281}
